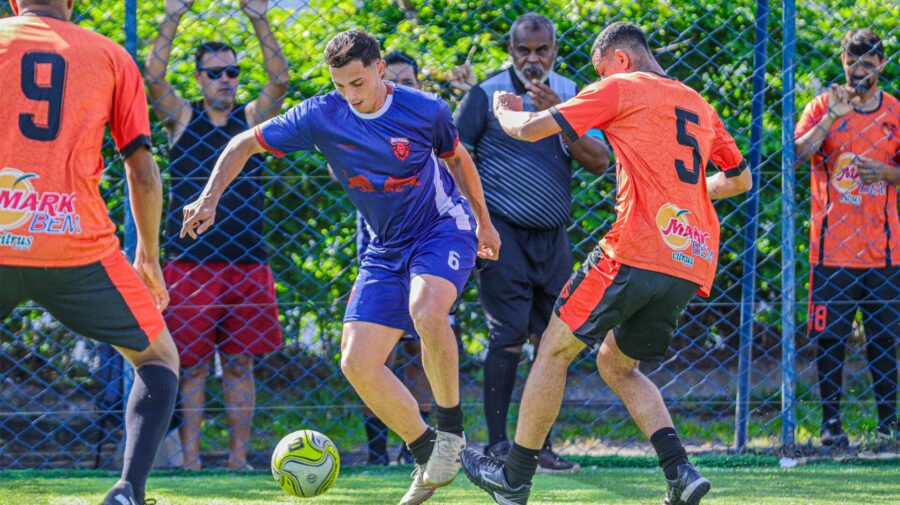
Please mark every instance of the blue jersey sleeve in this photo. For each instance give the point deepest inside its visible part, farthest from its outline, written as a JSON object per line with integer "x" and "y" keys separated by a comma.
{"x": 288, "y": 132}
{"x": 445, "y": 135}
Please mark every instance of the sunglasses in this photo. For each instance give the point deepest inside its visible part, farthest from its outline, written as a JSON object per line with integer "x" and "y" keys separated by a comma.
{"x": 216, "y": 72}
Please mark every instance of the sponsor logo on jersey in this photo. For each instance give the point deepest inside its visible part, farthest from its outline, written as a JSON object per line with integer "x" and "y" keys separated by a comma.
{"x": 845, "y": 174}
{"x": 46, "y": 212}
{"x": 685, "y": 239}
{"x": 400, "y": 146}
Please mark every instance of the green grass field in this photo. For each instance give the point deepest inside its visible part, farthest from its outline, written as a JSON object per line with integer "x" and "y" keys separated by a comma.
{"x": 825, "y": 484}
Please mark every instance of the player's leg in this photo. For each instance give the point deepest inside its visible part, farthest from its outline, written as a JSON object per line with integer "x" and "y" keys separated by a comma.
{"x": 250, "y": 328}
{"x": 590, "y": 303}
{"x": 833, "y": 293}
{"x": 645, "y": 335}
{"x": 414, "y": 375}
{"x": 439, "y": 266}
{"x": 376, "y": 430}
{"x": 120, "y": 312}
{"x": 551, "y": 267}
{"x": 365, "y": 348}
{"x": 880, "y": 317}
{"x": 505, "y": 291}
{"x": 192, "y": 317}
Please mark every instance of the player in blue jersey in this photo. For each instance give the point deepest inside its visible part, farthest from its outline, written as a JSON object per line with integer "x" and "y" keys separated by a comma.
{"x": 383, "y": 143}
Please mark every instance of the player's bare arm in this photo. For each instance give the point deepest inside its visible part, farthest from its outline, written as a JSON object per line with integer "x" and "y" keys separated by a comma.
{"x": 145, "y": 194}
{"x": 527, "y": 126}
{"x": 170, "y": 108}
{"x": 721, "y": 186}
{"x": 462, "y": 168}
{"x": 590, "y": 152}
{"x": 267, "y": 105}
{"x": 841, "y": 100}
{"x": 200, "y": 214}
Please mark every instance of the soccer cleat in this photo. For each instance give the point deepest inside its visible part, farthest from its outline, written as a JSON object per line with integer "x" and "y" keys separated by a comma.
{"x": 688, "y": 488}
{"x": 443, "y": 465}
{"x": 551, "y": 462}
{"x": 499, "y": 451}
{"x": 418, "y": 492}
{"x": 120, "y": 494}
{"x": 833, "y": 434}
{"x": 487, "y": 473}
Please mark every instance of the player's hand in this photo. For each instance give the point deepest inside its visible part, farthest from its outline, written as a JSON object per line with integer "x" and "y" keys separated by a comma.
{"x": 841, "y": 100}
{"x": 488, "y": 241}
{"x": 504, "y": 100}
{"x": 255, "y": 9}
{"x": 542, "y": 97}
{"x": 178, "y": 8}
{"x": 872, "y": 170}
{"x": 150, "y": 272}
{"x": 463, "y": 76}
{"x": 199, "y": 215}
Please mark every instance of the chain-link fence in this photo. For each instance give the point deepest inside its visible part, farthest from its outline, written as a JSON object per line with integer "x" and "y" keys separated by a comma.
{"x": 742, "y": 372}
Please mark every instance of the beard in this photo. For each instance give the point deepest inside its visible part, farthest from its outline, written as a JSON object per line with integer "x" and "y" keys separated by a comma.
{"x": 531, "y": 71}
{"x": 861, "y": 85}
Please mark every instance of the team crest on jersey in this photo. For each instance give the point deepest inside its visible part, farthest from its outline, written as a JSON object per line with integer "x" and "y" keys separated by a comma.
{"x": 680, "y": 235}
{"x": 400, "y": 146}
{"x": 889, "y": 129}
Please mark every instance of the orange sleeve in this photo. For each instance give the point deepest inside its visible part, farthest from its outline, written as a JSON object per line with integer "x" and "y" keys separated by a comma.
{"x": 596, "y": 106}
{"x": 129, "y": 122}
{"x": 725, "y": 153}
{"x": 812, "y": 115}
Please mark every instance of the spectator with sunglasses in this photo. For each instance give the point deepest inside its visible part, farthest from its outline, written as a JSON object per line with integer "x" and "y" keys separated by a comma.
{"x": 223, "y": 297}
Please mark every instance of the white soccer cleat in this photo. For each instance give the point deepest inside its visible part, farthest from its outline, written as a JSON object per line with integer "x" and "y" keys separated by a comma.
{"x": 444, "y": 464}
{"x": 418, "y": 491}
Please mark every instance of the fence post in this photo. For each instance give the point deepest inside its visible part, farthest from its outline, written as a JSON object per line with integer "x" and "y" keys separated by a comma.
{"x": 748, "y": 280}
{"x": 788, "y": 203}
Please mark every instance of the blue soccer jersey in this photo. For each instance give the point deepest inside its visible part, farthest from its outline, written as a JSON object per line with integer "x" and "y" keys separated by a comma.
{"x": 387, "y": 161}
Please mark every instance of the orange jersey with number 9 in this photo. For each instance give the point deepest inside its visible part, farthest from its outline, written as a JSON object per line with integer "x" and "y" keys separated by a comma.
{"x": 665, "y": 136}
{"x": 61, "y": 86}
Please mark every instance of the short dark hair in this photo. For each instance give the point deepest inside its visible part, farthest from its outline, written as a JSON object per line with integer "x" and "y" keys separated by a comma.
{"x": 862, "y": 42}
{"x": 402, "y": 58}
{"x": 532, "y": 22}
{"x": 352, "y": 45}
{"x": 621, "y": 35}
{"x": 211, "y": 47}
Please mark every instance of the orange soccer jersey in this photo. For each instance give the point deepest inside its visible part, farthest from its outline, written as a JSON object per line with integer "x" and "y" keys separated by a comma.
{"x": 665, "y": 135}
{"x": 61, "y": 85}
{"x": 853, "y": 224}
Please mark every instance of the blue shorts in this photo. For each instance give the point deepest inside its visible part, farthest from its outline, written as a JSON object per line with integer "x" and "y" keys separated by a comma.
{"x": 380, "y": 294}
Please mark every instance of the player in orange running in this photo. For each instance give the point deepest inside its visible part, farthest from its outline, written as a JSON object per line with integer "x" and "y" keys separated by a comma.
{"x": 62, "y": 85}
{"x": 662, "y": 248}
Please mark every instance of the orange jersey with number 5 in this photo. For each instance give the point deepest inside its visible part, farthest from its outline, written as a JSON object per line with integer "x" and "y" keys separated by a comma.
{"x": 61, "y": 86}
{"x": 665, "y": 136}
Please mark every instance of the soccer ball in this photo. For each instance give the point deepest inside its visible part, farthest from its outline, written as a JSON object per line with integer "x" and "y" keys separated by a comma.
{"x": 305, "y": 463}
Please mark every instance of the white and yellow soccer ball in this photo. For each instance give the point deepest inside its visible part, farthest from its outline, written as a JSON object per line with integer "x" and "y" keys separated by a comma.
{"x": 305, "y": 463}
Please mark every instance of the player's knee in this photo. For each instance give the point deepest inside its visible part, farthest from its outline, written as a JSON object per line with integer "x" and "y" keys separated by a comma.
{"x": 613, "y": 370}
{"x": 355, "y": 369}
{"x": 238, "y": 365}
{"x": 199, "y": 372}
{"x": 428, "y": 319}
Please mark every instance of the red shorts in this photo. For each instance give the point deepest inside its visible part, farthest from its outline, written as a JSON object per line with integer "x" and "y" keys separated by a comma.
{"x": 226, "y": 306}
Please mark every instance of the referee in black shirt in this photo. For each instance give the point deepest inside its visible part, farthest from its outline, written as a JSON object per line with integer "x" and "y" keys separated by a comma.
{"x": 528, "y": 191}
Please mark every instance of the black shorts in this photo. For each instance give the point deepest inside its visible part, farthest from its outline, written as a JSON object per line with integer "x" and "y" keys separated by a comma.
{"x": 105, "y": 301}
{"x": 640, "y": 306}
{"x": 518, "y": 291}
{"x": 836, "y": 293}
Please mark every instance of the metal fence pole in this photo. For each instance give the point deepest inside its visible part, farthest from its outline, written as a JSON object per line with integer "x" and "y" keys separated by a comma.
{"x": 748, "y": 280}
{"x": 788, "y": 350}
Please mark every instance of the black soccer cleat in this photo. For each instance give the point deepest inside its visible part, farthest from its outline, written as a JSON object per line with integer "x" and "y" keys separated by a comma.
{"x": 688, "y": 489}
{"x": 487, "y": 473}
{"x": 120, "y": 494}
{"x": 833, "y": 435}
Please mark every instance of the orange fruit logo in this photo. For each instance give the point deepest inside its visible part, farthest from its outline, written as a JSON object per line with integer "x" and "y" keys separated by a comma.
{"x": 845, "y": 175}
{"x": 674, "y": 226}
{"x": 15, "y": 189}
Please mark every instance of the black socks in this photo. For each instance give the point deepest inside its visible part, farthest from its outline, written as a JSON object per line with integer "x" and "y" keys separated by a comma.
{"x": 669, "y": 450}
{"x": 422, "y": 447}
{"x": 450, "y": 419}
{"x": 521, "y": 463}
